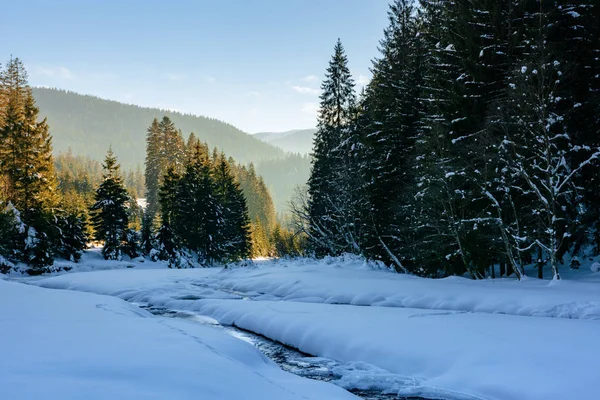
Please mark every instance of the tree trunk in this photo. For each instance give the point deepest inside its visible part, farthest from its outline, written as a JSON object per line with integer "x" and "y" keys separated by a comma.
{"x": 540, "y": 264}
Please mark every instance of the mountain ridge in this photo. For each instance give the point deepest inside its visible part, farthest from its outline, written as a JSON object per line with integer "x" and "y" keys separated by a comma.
{"x": 293, "y": 141}
{"x": 89, "y": 124}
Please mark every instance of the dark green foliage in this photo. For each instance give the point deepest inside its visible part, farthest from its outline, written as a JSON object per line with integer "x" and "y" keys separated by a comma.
{"x": 109, "y": 212}
{"x": 478, "y": 141}
{"x": 11, "y": 229}
{"x": 164, "y": 148}
{"x": 132, "y": 243}
{"x": 198, "y": 213}
{"x": 38, "y": 251}
{"x": 71, "y": 235}
{"x": 85, "y": 124}
{"x": 168, "y": 246}
{"x": 389, "y": 125}
{"x": 147, "y": 239}
{"x": 234, "y": 229}
{"x": 27, "y": 179}
{"x": 25, "y": 144}
{"x": 330, "y": 208}
{"x": 80, "y": 175}
{"x": 203, "y": 212}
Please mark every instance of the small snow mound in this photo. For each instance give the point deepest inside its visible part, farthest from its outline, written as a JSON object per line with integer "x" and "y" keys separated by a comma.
{"x": 595, "y": 267}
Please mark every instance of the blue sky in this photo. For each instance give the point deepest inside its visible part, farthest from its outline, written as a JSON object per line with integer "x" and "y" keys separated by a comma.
{"x": 256, "y": 64}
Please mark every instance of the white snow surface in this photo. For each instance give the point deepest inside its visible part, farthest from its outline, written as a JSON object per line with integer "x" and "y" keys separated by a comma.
{"x": 70, "y": 345}
{"x": 350, "y": 281}
{"x": 451, "y": 338}
{"x": 454, "y": 355}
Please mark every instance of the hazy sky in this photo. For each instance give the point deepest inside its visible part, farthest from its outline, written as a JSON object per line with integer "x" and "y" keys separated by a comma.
{"x": 257, "y": 64}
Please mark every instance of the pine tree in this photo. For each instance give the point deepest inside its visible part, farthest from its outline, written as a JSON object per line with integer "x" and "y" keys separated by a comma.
{"x": 153, "y": 169}
{"x": 234, "y": 229}
{"x": 11, "y": 231}
{"x": 198, "y": 212}
{"x": 28, "y": 180}
{"x": 71, "y": 235}
{"x": 544, "y": 151}
{"x": 389, "y": 126}
{"x": 172, "y": 147}
{"x": 26, "y": 147}
{"x": 109, "y": 212}
{"x": 164, "y": 147}
{"x": 330, "y": 217}
{"x": 575, "y": 38}
{"x": 168, "y": 245}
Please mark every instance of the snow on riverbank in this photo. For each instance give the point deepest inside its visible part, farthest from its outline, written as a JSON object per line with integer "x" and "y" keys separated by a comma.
{"x": 336, "y": 281}
{"x": 69, "y": 345}
{"x": 352, "y": 282}
{"x": 451, "y": 355}
{"x": 452, "y": 338}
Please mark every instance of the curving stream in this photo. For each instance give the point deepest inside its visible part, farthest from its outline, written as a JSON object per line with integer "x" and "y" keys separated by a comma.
{"x": 288, "y": 358}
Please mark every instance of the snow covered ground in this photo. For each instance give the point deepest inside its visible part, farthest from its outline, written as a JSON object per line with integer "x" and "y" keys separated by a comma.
{"x": 350, "y": 281}
{"x": 69, "y": 345}
{"x": 452, "y": 338}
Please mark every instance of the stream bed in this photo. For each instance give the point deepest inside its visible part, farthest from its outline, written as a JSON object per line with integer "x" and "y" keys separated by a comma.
{"x": 286, "y": 357}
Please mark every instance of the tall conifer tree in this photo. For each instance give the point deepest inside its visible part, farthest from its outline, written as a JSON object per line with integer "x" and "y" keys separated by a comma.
{"x": 327, "y": 225}
{"x": 234, "y": 229}
{"x": 109, "y": 212}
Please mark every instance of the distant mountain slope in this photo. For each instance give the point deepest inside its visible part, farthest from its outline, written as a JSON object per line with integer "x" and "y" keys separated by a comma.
{"x": 89, "y": 125}
{"x": 282, "y": 176}
{"x": 296, "y": 141}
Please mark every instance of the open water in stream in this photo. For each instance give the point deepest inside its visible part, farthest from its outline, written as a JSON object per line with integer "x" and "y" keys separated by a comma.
{"x": 288, "y": 358}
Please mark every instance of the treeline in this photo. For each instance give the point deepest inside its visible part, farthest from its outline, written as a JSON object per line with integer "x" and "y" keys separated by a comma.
{"x": 202, "y": 208}
{"x": 475, "y": 144}
{"x": 78, "y": 177}
{"x": 86, "y": 124}
{"x": 203, "y": 203}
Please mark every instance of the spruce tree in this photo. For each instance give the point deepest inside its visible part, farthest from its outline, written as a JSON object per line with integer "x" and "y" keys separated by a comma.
{"x": 328, "y": 215}
{"x": 28, "y": 179}
{"x": 25, "y": 145}
{"x": 109, "y": 212}
{"x": 164, "y": 148}
{"x": 172, "y": 147}
{"x": 544, "y": 151}
{"x": 168, "y": 245}
{"x": 71, "y": 235}
{"x": 153, "y": 170}
{"x": 198, "y": 212}
{"x": 389, "y": 126}
{"x": 234, "y": 229}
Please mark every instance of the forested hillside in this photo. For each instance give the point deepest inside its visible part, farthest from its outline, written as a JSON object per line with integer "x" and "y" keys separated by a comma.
{"x": 88, "y": 125}
{"x": 296, "y": 141}
{"x": 283, "y": 176}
